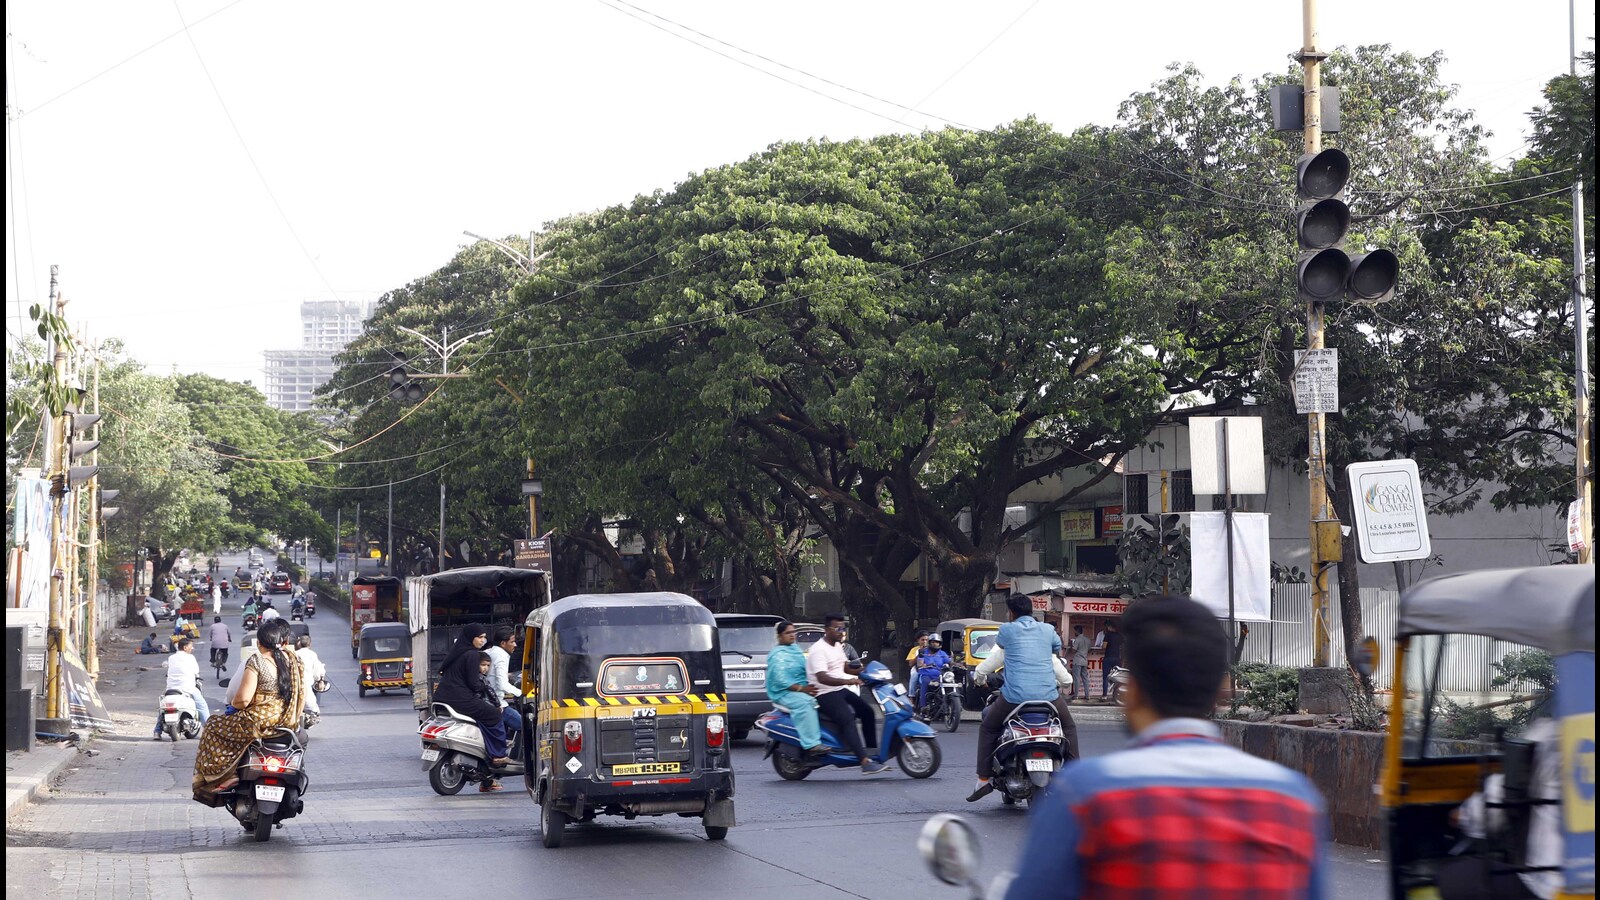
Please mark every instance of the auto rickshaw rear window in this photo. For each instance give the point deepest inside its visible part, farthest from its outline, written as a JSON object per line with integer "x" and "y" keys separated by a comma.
{"x": 983, "y": 643}
{"x": 642, "y": 639}
{"x": 386, "y": 645}
{"x": 622, "y": 677}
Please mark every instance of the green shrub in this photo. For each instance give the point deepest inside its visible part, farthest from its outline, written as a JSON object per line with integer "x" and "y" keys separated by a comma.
{"x": 1274, "y": 690}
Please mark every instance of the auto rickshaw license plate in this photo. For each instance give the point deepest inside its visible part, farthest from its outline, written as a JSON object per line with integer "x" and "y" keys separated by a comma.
{"x": 647, "y": 769}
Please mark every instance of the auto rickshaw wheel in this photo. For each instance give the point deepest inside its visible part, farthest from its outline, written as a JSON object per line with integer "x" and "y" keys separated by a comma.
{"x": 919, "y": 758}
{"x": 446, "y": 780}
{"x": 789, "y": 769}
{"x": 716, "y": 832}
{"x": 552, "y": 824}
{"x": 361, "y": 690}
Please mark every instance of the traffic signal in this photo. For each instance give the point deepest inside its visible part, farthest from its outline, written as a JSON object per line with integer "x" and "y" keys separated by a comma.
{"x": 108, "y": 494}
{"x": 77, "y": 423}
{"x": 1324, "y": 272}
{"x": 402, "y": 387}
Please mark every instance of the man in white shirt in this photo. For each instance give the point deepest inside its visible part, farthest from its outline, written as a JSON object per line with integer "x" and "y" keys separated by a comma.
{"x": 503, "y": 644}
{"x": 182, "y": 670}
{"x": 829, "y": 669}
{"x": 269, "y": 614}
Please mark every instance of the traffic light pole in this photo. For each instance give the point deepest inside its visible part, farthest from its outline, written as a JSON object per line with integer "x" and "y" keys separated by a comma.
{"x": 59, "y": 464}
{"x": 1322, "y": 516}
{"x": 90, "y": 643}
{"x": 1580, "y": 319}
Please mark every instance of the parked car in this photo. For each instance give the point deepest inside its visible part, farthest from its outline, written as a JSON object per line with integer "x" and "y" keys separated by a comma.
{"x": 746, "y": 640}
{"x": 280, "y": 584}
{"x": 161, "y": 609}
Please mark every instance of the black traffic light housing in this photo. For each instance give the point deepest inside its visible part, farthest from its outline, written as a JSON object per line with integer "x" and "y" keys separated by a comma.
{"x": 1324, "y": 272}
{"x": 402, "y": 387}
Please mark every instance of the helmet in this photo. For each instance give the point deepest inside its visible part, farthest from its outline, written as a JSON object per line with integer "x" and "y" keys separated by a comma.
{"x": 934, "y": 639}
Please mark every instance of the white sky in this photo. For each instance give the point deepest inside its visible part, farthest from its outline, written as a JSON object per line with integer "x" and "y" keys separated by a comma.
{"x": 381, "y": 130}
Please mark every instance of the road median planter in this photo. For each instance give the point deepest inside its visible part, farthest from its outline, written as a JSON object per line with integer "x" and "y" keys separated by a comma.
{"x": 1343, "y": 765}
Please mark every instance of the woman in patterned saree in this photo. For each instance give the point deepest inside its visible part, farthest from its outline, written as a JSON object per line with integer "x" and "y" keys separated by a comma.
{"x": 269, "y": 695}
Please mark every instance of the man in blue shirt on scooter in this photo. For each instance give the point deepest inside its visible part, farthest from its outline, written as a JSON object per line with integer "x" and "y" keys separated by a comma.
{"x": 1030, "y": 651}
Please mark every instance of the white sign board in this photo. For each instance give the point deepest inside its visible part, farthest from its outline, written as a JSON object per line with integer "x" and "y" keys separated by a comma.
{"x": 1391, "y": 517}
{"x": 1252, "y": 565}
{"x": 1247, "y": 471}
{"x": 1316, "y": 381}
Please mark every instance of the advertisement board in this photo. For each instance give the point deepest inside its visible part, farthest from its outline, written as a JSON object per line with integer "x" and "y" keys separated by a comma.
{"x": 1391, "y": 516}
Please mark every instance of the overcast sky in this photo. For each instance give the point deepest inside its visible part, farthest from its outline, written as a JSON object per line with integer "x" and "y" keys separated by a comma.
{"x": 195, "y": 187}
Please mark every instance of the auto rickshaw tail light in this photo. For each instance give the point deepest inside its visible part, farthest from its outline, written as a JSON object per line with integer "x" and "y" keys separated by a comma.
{"x": 572, "y": 737}
{"x": 716, "y": 731}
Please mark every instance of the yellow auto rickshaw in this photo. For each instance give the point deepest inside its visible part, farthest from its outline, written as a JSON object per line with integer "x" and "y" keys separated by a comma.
{"x": 384, "y": 658}
{"x": 969, "y": 642}
{"x": 1483, "y": 807}
{"x": 624, "y": 697}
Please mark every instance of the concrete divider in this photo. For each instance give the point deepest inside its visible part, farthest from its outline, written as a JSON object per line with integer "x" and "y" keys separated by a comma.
{"x": 1344, "y": 765}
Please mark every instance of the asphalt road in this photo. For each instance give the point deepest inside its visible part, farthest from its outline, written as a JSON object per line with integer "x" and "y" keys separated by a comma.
{"x": 123, "y": 825}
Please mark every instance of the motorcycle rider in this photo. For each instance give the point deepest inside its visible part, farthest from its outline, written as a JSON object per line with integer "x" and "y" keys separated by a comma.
{"x": 221, "y": 641}
{"x": 461, "y": 686}
{"x": 831, "y": 671}
{"x": 269, "y": 614}
{"x": 182, "y": 671}
{"x": 297, "y": 607}
{"x": 787, "y": 687}
{"x": 1030, "y": 648}
{"x": 500, "y": 686}
{"x": 931, "y": 660}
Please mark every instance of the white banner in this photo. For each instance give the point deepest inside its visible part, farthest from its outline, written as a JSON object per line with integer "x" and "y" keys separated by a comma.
{"x": 31, "y": 524}
{"x": 1252, "y": 564}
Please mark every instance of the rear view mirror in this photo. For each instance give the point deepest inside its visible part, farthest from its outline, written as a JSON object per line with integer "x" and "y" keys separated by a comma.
{"x": 950, "y": 848}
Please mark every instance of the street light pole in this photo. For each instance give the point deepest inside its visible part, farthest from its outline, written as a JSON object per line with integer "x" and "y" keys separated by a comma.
{"x": 441, "y": 521}
{"x": 1580, "y": 330}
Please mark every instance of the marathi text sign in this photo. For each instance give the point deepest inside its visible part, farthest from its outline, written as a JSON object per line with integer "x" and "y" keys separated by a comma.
{"x": 1391, "y": 517}
{"x": 1316, "y": 381}
{"x": 1077, "y": 525}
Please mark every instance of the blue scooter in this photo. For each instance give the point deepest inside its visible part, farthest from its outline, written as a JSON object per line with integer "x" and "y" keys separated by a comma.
{"x": 910, "y": 742}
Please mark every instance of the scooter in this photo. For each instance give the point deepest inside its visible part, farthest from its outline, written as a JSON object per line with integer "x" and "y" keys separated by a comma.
{"x": 272, "y": 783}
{"x": 453, "y": 752}
{"x": 251, "y": 621}
{"x": 1032, "y": 748}
{"x": 311, "y": 605}
{"x": 910, "y": 742}
{"x": 177, "y": 714}
{"x": 944, "y": 699}
{"x": 1117, "y": 678}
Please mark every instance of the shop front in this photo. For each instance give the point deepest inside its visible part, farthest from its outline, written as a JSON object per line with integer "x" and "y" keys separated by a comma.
{"x": 1094, "y": 614}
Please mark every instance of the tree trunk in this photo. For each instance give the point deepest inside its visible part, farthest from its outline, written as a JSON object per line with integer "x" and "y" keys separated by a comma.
{"x": 161, "y": 564}
{"x": 1350, "y": 619}
{"x": 962, "y": 586}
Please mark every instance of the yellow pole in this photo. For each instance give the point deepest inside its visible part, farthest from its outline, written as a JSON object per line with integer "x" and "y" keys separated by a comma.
{"x": 1316, "y": 423}
{"x": 58, "y": 429}
{"x": 91, "y": 643}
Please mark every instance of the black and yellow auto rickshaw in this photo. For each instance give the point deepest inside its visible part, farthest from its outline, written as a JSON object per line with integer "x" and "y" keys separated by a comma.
{"x": 1430, "y": 771}
{"x": 624, "y": 695}
{"x": 969, "y": 642}
{"x": 383, "y": 657}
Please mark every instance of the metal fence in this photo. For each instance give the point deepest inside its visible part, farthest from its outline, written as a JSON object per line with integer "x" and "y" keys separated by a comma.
{"x": 1288, "y": 640}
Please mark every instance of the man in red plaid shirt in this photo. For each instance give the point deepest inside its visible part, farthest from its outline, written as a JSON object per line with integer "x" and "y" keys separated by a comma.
{"x": 1178, "y": 814}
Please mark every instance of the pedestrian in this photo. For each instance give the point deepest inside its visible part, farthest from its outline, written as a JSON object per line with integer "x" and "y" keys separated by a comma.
{"x": 216, "y": 599}
{"x": 917, "y": 644}
{"x": 1112, "y": 658}
{"x": 1080, "y": 663}
{"x": 151, "y": 644}
{"x": 1178, "y": 813}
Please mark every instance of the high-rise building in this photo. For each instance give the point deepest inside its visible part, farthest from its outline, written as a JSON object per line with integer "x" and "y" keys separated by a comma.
{"x": 326, "y": 326}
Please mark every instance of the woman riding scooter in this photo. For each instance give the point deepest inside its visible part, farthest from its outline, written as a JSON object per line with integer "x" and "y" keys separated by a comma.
{"x": 461, "y": 686}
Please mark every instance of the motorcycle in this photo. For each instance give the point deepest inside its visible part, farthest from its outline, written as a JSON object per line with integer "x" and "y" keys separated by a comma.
{"x": 944, "y": 699}
{"x": 311, "y": 605}
{"x": 272, "y": 783}
{"x": 453, "y": 752}
{"x": 1032, "y": 748}
{"x": 251, "y": 620}
{"x": 1117, "y": 678}
{"x": 177, "y": 714}
{"x": 909, "y": 741}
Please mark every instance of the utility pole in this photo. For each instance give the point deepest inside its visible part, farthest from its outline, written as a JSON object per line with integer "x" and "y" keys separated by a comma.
{"x": 338, "y": 541}
{"x": 58, "y": 469}
{"x": 388, "y": 550}
{"x": 441, "y": 521}
{"x": 360, "y": 547}
{"x": 1323, "y": 521}
{"x": 90, "y": 645}
{"x": 1580, "y": 330}
{"x": 533, "y": 507}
